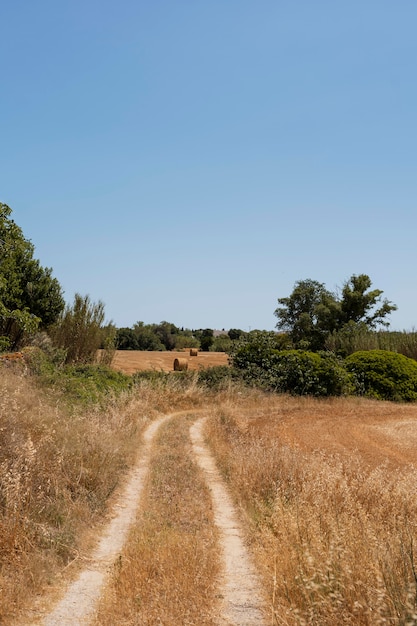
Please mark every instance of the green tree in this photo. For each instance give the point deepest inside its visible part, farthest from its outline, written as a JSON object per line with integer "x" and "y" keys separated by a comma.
{"x": 361, "y": 304}
{"x": 312, "y": 313}
{"x": 147, "y": 338}
{"x": 206, "y": 339}
{"x": 166, "y": 332}
{"x": 308, "y": 314}
{"x": 30, "y": 298}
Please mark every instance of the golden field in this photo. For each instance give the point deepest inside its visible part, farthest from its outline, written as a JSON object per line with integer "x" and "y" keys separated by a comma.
{"x": 131, "y": 361}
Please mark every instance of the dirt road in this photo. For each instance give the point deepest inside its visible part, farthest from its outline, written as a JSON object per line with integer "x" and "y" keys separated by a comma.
{"x": 239, "y": 588}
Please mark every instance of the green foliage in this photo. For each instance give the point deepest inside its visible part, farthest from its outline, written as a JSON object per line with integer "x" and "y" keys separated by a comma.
{"x": 357, "y": 336}
{"x": 5, "y": 344}
{"x": 236, "y": 333}
{"x": 163, "y": 336}
{"x": 384, "y": 375}
{"x": 358, "y": 304}
{"x": 294, "y": 371}
{"x": 352, "y": 337}
{"x": 308, "y": 314}
{"x": 30, "y": 297}
{"x": 80, "y": 330}
{"x": 218, "y": 377}
{"x": 108, "y": 345}
{"x": 313, "y": 316}
{"x": 89, "y": 383}
{"x": 254, "y": 349}
{"x": 221, "y": 343}
{"x": 206, "y": 339}
{"x": 311, "y": 373}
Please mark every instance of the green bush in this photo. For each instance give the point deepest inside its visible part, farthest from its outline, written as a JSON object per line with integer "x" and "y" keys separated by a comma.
{"x": 384, "y": 375}
{"x": 217, "y": 377}
{"x": 294, "y": 371}
{"x": 310, "y": 373}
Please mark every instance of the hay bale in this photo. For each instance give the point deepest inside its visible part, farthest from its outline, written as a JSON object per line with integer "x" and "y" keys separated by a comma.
{"x": 193, "y": 352}
{"x": 180, "y": 365}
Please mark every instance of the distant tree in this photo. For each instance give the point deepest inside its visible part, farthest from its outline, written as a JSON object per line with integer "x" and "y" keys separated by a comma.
{"x": 147, "y": 338}
{"x": 206, "y": 339}
{"x": 126, "y": 339}
{"x": 30, "y": 298}
{"x": 235, "y": 333}
{"x": 166, "y": 333}
{"x": 221, "y": 343}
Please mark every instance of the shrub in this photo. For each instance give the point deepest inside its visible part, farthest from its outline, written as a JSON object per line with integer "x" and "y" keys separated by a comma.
{"x": 91, "y": 383}
{"x": 80, "y": 330}
{"x": 294, "y": 371}
{"x": 217, "y": 377}
{"x": 384, "y": 375}
{"x": 310, "y": 373}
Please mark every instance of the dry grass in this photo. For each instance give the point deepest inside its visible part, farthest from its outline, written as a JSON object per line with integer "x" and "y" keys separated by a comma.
{"x": 332, "y": 516}
{"x": 57, "y": 471}
{"x": 329, "y": 488}
{"x": 167, "y": 572}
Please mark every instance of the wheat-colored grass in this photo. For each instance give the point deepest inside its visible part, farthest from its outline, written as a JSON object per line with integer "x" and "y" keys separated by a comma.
{"x": 58, "y": 469}
{"x": 167, "y": 573}
{"x": 330, "y": 492}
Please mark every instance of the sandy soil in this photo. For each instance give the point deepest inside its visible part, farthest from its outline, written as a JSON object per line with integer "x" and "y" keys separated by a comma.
{"x": 131, "y": 361}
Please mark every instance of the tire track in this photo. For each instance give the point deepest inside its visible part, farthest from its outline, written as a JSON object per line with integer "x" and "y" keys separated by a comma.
{"x": 241, "y": 598}
{"x": 79, "y": 602}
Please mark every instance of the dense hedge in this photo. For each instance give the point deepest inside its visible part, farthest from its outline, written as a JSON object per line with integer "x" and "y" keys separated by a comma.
{"x": 384, "y": 375}
{"x": 294, "y": 371}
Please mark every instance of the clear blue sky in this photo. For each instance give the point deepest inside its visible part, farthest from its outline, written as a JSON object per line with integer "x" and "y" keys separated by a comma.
{"x": 189, "y": 161}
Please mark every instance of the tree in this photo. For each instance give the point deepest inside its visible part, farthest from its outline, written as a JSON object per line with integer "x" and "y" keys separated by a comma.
{"x": 358, "y": 304}
{"x": 308, "y": 314}
{"x": 30, "y": 298}
{"x": 311, "y": 313}
{"x": 206, "y": 339}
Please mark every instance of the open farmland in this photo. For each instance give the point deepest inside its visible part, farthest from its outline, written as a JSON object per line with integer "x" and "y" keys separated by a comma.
{"x": 131, "y": 361}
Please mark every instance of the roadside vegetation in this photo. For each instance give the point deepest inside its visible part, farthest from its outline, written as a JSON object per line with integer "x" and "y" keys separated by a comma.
{"x": 334, "y": 530}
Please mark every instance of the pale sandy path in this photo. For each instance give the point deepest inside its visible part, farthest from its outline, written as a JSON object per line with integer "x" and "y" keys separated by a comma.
{"x": 241, "y": 604}
{"x": 78, "y": 605}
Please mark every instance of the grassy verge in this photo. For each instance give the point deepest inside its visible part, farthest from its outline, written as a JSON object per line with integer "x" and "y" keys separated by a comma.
{"x": 335, "y": 536}
{"x": 167, "y": 572}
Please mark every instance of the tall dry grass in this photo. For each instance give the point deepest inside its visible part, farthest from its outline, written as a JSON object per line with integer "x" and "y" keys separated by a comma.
{"x": 335, "y": 536}
{"x": 58, "y": 467}
{"x": 167, "y": 573}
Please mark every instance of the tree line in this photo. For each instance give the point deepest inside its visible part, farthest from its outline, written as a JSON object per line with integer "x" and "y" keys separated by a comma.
{"x": 32, "y": 308}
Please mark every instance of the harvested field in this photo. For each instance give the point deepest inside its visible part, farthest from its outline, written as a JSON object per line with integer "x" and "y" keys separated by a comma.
{"x": 131, "y": 361}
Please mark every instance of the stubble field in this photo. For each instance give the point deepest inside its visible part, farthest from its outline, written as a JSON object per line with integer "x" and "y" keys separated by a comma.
{"x": 131, "y": 361}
